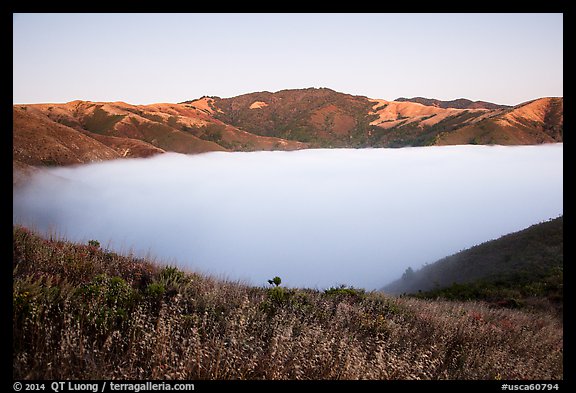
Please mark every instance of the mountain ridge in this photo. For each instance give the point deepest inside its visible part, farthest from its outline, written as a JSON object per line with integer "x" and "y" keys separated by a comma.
{"x": 459, "y": 103}
{"x": 86, "y": 131}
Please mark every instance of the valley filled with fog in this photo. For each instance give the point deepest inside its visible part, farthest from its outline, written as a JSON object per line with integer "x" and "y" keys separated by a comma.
{"x": 316, "y": 218}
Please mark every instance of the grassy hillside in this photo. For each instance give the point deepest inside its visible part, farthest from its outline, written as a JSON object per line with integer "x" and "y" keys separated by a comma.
{"x": 512, "y": 269}
{"x": 534, "y": 122}
{"x": 326, "y": 118}
{"x": 41, "y": 142}
{"x": 82, "y": 312}
{"x": 321, "y": 117}
{"x": 83, "y": 131}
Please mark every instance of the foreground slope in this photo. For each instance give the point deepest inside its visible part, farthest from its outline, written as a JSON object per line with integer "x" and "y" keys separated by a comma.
{"x": 530, "y": 260}
{"x": 80, "y": 312}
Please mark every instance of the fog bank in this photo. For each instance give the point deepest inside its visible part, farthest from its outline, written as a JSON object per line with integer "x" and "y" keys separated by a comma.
{"x": 316, "y": 218}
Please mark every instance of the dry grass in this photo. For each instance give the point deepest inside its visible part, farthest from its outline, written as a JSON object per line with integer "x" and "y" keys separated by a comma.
{"x": 84, "y": 313}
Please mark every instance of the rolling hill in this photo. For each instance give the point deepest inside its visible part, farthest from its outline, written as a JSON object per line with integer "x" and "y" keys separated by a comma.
{"x": 534, "y": 122}
{"x": 84, "y": 131}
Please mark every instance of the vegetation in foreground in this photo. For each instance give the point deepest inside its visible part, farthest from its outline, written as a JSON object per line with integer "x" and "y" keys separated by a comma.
{"x": 81, "y": 312}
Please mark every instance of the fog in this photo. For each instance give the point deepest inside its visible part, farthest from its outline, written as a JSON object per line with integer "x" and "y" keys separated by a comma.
{"x": 316, "y": 218}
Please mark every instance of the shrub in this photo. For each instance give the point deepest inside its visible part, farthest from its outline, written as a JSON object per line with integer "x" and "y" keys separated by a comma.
{"x": 172, "y": 279}
{"x": 105, "y": 302}
{"x": 155, "y": 291}
{"x": 345, "y": 291}
{"x": 94, "y": 243}
{"x": 277, "y": 295}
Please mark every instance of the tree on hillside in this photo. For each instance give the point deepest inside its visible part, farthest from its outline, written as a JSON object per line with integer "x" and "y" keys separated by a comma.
{"x": 408, "y": 274}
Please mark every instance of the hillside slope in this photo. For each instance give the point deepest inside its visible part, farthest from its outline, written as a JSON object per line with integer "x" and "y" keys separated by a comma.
{"x": 534, "y": 122}
{"x": 460, "y": 103}
{"x": 39, "y": 140}
{"x": 322, "y": 117}
{"x": 83, "y": 131}
{"x": 531, "y": 257}
{"x": 326, "y": 118}
{"x": 81, "y": 312}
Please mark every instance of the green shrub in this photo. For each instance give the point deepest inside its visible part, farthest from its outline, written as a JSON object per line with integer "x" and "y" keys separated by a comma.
{"x": 171, "y": 278}
{"x": 155, "y": 291}
{"x": 277, "y": 295}
{"x": 345, "y": 291}
{"x": 105, "y": 303}
{"x": 94, "y": 243}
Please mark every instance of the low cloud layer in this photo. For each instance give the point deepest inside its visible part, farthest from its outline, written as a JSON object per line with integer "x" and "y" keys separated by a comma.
{"x": 316, "y": 218}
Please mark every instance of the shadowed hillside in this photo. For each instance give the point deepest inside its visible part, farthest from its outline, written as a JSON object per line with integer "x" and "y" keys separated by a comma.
{"x": 512, "y": 268}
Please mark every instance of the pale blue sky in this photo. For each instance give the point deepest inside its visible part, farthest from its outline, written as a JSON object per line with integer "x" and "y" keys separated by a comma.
{"x": 148, "y": 58}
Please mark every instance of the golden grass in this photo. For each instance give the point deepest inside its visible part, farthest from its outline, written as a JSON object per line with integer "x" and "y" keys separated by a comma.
{"x": 81, "y": 312}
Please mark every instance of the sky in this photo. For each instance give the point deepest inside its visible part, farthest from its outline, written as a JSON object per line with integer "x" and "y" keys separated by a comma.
{"x": 149, "y": 58}
{"x": 315, "y": 218}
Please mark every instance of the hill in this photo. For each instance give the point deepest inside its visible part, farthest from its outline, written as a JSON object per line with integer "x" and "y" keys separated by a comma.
{"x": 517, "y": 266}
{"x": 321, "y": 117}
{"x": 84, "y": 131}
{"x": 533, "y": 122}
{"x": 326, "y": 118}
{"x": 461, "y": 103}
{"x": 83, "y": 312}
